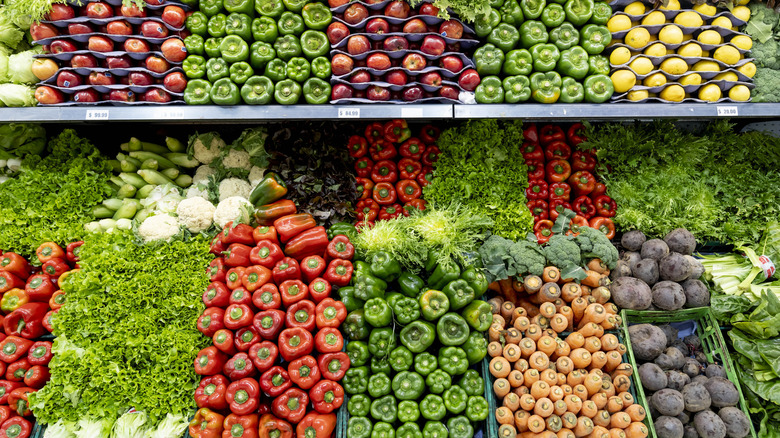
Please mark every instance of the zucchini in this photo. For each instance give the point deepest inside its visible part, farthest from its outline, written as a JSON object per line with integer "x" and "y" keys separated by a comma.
{"x": 132, "y": 179}
{"x": 163, "y": 162}
{"x": 112, "y": 204}
{"x": 144, "y": 191}
{"x": 154, "y": 177}
{"x": 174, "y": 145}
{"x": 184, "y": 181}
{"x": 183, "y": 160}
{"x": 171, "y": 173}
{"x": 102, "y": 212}
{"x": 126, "y": 191}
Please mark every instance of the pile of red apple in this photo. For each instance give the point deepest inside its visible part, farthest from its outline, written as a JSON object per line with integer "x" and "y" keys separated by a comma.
{"x": 387, "y": 51}
{"x": 104, "y": 52}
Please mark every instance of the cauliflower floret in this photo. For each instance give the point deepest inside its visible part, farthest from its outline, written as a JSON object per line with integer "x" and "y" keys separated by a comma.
{"x": 196, "y": 214}
{"x": 235, "y": 208}
{"x": 202, "y": 174}
{"x": 236, "y": 159}
{"x": 158, "y": 227}
{"x": 234, "y": 187}
{"x": 256, "y": 175}
{"x": 197, "y": 191}
{"x": 207, "y": 154}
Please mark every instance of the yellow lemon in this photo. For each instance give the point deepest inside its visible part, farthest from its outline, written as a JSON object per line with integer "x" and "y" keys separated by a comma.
{"x": 673, "y": 93}
{"x": 637, "y": 37}
{"x": 705, "y": 9}
{"x": 706, "y": 66}
{"x": 722, "y": 21}
{"x": 636, "y": 8}
{"x": 656, "y": 49}
{"x": 692, "y": 50}
{"x": 742, "y": 2}
{"x": 619, "y": 22}
{"x": 748, "y": 69}
{"x": 623, "y": 80}
{"x": 739, "y": 93}
{"x": 674, "y": 66}
{"x": 671, "y": 34}
{"x": 641, "y": 65}
{"x": 672, "y": 5}
{"x": 688, "y": 19}
{"x": 744, "y": 42}
{"x": 710, "y": 37}
{"x": 620, "y": 56}
{"x": 710, "y": 93}
{"x": 726, "y": 76}
{"x": 653, "y": 18}
{"x": 688, "y": 37}
{"x": 640, "y": 95}
{"x": 741, "y": 12}
{"x": 705, "y": 54}
{"x": 727, "y": 54}
{"x": 691, "y": 79}
{"x": 654, "y": 80}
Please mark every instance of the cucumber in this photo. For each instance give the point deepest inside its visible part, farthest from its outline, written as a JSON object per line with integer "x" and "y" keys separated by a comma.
{"x": 113, "y": 204}
{"x": 171, "y": 173}
{"x": 163, "y": 162}
{"x": 154, "y": 177}
{"x": 102, "y": 212}
{"x": 153, "y": 147}
{"x": 135, "y": 161}
{"x": 142, "y": 215}
{"x": 126, "y": 191}
{"x": 132, "y": 179}
{"x": 150, "y": 164}
{"x": 183, "y": 160}
{"x": 133, "y": 145}
{"x": 174, "y": 145}
{"x": 127, "y": 211}
{"x": 127, "y": 166}
{"x": 107, "y": 224}
{"x": 184, "y": 181}
{"x": 144, "y": 191}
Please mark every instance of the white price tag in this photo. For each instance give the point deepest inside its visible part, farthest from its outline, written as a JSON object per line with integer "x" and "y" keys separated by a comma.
{"x": 349, "y": 113}
{"x": 93, "y": 115}
{"x": 172, "y": 114}
{"x": 728, "y": 111}
{"x": 411, "y": 113}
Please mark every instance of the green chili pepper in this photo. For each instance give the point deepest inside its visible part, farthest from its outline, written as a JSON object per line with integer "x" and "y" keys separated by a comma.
{"x": 225, "y": 92}
{"x": 438, "y": 381}
{"x": 475, "y": 277}
{"x": 317, "y": 16}
{"x": 197, "y": 23}
{"x": 475, "y": 347}
{"x": 316, "y": 91}
{"x": 574, "y": 62}
{"x": 217, "y": 25}
{"x": 432, "y": 407}
{"x": 356, "y": 380}
{"x": 294, "y": 5}
{"x": 504, "y": 36}
{"x": 418, "y": 336}
{"x": 358, "y": 405}
{"x": 488, "y": 59}
{"x": 571, "y": 91}
{"x": 217, "y": 68}
{"x": 472, "y": 383}
{"x": 378, "y": 385}
{"x": 565, "y": 36}
{"x": 598, "y": 88}
{"x": 392, "y": 298}
{"x": 384, "y": 409}
{"x": 410, "y": 284}
{"x": 455, "y": 399}
{"x": 320, "y": 67}
{"x": 358, "y": 353}
{"x": 240, "y": 72}
{"x": 408, "y": 385}
{"x": 197, "y": 92}
{"x": 384, "y": 266}
{"x": 425, "y": 363}
{"x": 240, "y": 6}
{"x": 367, "y": 286}
{"x": 546, "y": 87}
{"x": 346, "y": 294}
{"x": 260, "y": 54}
{"x": 314, "y": 43}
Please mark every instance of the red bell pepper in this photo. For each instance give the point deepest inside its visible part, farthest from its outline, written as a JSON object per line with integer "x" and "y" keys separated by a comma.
{"x": 536, "y": 170}
{"x": 10, "y": 281}
{"x": 330, "y": 313}
{"x": 217, "y": 270}
{"x": 55, "y": 267}
{"x": 315, "y": 425}
{"x": 264, "y": 232}
{"x": 40, "y": 353}
{"x": 425, "y": 177}
{"x": 267, "y": 297}
{"x": 532, "y": 152}
{"x": 16, "y": 371}
{"x": 211, "y": 320}
{"x": 72, "y": 251}
{"x": 293, "y": 291}
{"x": 255, "y": 276}
{"x": 266, "y": 215}
{"x": 286, "y": 269}
{"x": 431, "y": 155}
{"x": 409, "y": 168}
{"x": 239, "y": 366}
{"x": 264, "y": 356}
{"x": 238, "y": 233}
{"x": 543, "y": 231}
{"x": 16, "y": 427}
{"x": 12, "y": 348}
{"x": 551, "y": 133}
{"x": 560, "y": 190}
{"x": 237, "y": 254}
{"x": 558, "y": 170}
{"x": 557, "y": 206}
{"x": 15, "y": 264}
{"x": 364, "y": 187}
{"x": 209, "y": 361}
{"x": 206, "y": 424}
{"x": 245, "y": 338}
{"x": 39, "y": 288}
{"x": 359, "y": 225}
{"x": 27, "y": 321}
{"x": 266, "y": 253}
{"x": 327, "y": 396}
{"x": 328, "y": 340}
{"x": 538, "y": 209}
{"x": 385, "y": 171}
{"x": 223, "y": 340}
{"x": 333, "y": 366}
{"x": 242, "y": 296}
{"x": 605, "y": 225}
{"x": 367, "y": 209}
{"x": 576, "y": 134}
{"x": 301, "y": 314}
{"x": 339, "y": 272}
{"x": 319, "y": 289}
{"x": 216, "y": 247}
{"x": 429, "y": 134}
{"x": 584, "y": 207}
{"x": 271, "y": 426}
{"x": 598, "y": 190}
{"x": 340, "y": 248}
{"x": 374, "y": 132}
{"x": 292, "y": 225}
{"x": 6, "y": 386}
{"x": 576, "y": 224}
{"x": 304, "y": 372}
{"x": 357, "y": 146}
{"x": 413, "y": 148}
{"x": 396, "y": 131}
{"x": 57, "y": 300}
{"x": 275, "y": 381}
{"x": 48, "y": 251}
{"x": 37, "y": 376}
{"x": 269, "y": 323}
{"x": 557, "y": 150}
{"x": 234, "y": 276}
{"x": 211, "y": 392}
{"x": 237, "y": 316}
{"x": 312, "y": 267}
{"x": 295, "y": 342}
{"x": 291, "y": 405}
{"x": 583, "y": 182}
{"x": 530, "y": 133}
{"x": 537, "y": 189}
{"x": 582, "y": 160}
{"x": 216, "y": 295}
{"x": 384, "y": 193}
{"x": 363, "y": 167}
{"x": 605, "y": 206}
{"x": 47, "y": 320}
{"x": 408, "y": 190}
{"x": 6, "y": 412}
{"x": 18, "y": 401}
{"x": 418, "y": 204}
{"x": 382, "y": 150}
{"x": 240, "y": 426}
{"x": 243, "y": 396}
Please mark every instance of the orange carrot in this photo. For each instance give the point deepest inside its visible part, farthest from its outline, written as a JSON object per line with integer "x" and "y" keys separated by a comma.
{"x": 506, "y": 288}
{"x": 615, "y": 404}
{"x": 613, "y": 360}
{"x": 581, "y": 358}
{"x": 601, "y": 294}
{"x": 627, "y": 398}
{"x": 512, "y": 401}
{"x": 515, "y": 378}
{"x": 559, "y": 407}
{"x": 507, "y": 309}
{"x": 574, "y": 403}
{"x": 578, "y": 306}
{"x": 599, "y": 432}
{"x": 530, "y": 376}
{"x": 539, "y": 361}
{"x": 556, "y": 394}
{"x": 494, "y": 286}
{"x": 617, "y": 433}
{"x": 570, "y": 292}
{"x": 592, "y": 383}
{"x": 598, "y": 360}
{"x": 601, "y": 418}
{"x": 540, "y": 389}
{"x": 504, "y": 415}
{"x": 543, "y": 407}
{"x": 546, "y": 344}
{"x": 494, "y": 349}
{"x": 600, "y": 400}
{"x": 622, "y": 383}
{"x": 564, "y": 365}
{"x": 592, "y": 329}
{"x": 569, "y": 419}
{"x": 521, "y": 420}
{"x": 513, "y": 335}
{"x": 575, "y": 340}
{"x": 562, "y": 348}
{"x": 550, "y": 292}
{"x": 547, "y": 310}
{"x": 589, "y": 408}
{"x": 607, "y": 388}
{"x": 521, "y": 322}
{"x": 517, "y": 285}
{"x": 584, "y": 427}
{"x": 511, "y": 352}
{"x": 594, "y": 313}
{"x": 536, "y": 424}
{"x": 532, "y": 284}
{"x": 623, "y": 369}
{"x": 527, "y": 347}
{"x": 507, "y": 431}
{"x": 559, "y": 323}
{"x": 549, "y": 376}
{"x": 609, "y": 342}
{"x": 598, "y": 266}
{"x": 581, "y": 391}
{"x": 636, "y": 430}
{"x": 575, "y": 377}
{"x": 499, "y": 367}
{"x": 527, "y": 402}
{"x": 521, "y": 365}
{"x": 594, "y": 279}
{"x": 551, "y": 274}
{"x": 501, "y": 387}
{"x": 534, "y": 332}
{"x": 585, "y": 291}
{"x": 519, "y": 311}
{"x": 636, "y": 412}
{"x": 592, "y": 344}
{"x": 620, "y": 420}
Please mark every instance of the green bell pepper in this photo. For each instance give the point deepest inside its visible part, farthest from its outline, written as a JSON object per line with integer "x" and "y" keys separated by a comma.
{"x": 504, "y": 36}
{"x": 211, "y": 47}
{"x": 435, "y": 429}
{"x": 264, "y": 29}
{"x": 240, "y": 6}
{"x": 598, "y": 88}
{"x": 240, "y": 72}
{"x": 475, "y": 347}
{"x": 432, "y": 260}
{"x": 276, "y": 70}
{"x": 314, "y": 43}
{"x": 355, "y": 326}
{"x": 408, "y": 385}
{"x": 384, "y": 266}
{"x": 516, "y": 89}
{"x": 518, "y": 62}
{"x": 488, "y": 60}
{"x": 489, "y": 90}
{"x": 290, "y": 24}
{"x": 571, "y": 91}
{"x": 476, "y": 408}
{"x": 565, "y": 36}
{"x": 298, "y": 69}
{"x": 359, "y": 427}
{"x": 294, "y": 5}
{"x": 425, "y": 363}
{"x": 432, "y": 407}
{"x": 406, "y": 310}
{"x": 546, "y": 87}
{"x": 384, "y": 409}
{"x": 598, "y": 65}
{"x": 341, "y": 228}
{"x": 453, "y": 360}
{"x": 401, "y": 359}
{"x": 367, "y": 286}
{"x": 595, "y": 38}
{"x": 409, "y": 430}
{"x": 260, "y": 54}
{"x": 194, "y": 66}
{"x": 358, "y": 405}
{"x": 320, "y": 67}
{"x": 418, "y": 336}
{"x": 197, "y": 92}
{"x": 379, "y": 385}
{"x": 408, "y": 411}
{"x": 475, "y": 278}
{"x": 452, "y": 329}
{"x": 472, "y": 383}
{"x": 210, "y": 7}
{"x": 410, "y": 284}
{"x": 383, "y": 430}
{"x": 217, "y": 68}
{"x": 316, "y": 91}
{"x": 239, "y": 24}
{"x": 378, "y": 313}
{"x": 455, "y": 399}
{"x": 434, "y": 304}
{"x": 443, "y": 274}
{"x": 578, "y": 12}
{"x": 194, "y": 44}
{"x": 392, "y": 298}
{"x": 381, "y": 342}
{"x": 346, "y": 294}
{"x": 355, "y": 380}
{"x": 217, "y": 26}
{"x": 602, "y": 12}
{"x": 438, "y": 381}
{"x": 545, "y": 57}
{"x": 459, "y": 292}
{"x": 460, "y": 427}
{"x": 197, "y": 23}
{"x": 486, "y": 23}
{"x": 512, "y": 13}
{"x": 479, "y": 314}
{"x": 553, "y": 15}
{"x": 533, "y": 32}
{"x": 317, "y": 16}
{"x": 532, "y": 9}
{"x": 234, "y": 49}
{"x": 380, "y": 365}
{"x": 358, "y": 353}
{"x": 574, "y": 63}
{"x": 287, "y": 47}
{"x": 269, "y": 8}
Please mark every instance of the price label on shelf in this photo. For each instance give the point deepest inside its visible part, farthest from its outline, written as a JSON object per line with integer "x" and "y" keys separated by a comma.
{"x": 411, "y": 113}
{"x": 171, "y": 114}
{"x": 94, "y": 115}
{"x": 728, "y": 111}
{"x": 349, "y": 113}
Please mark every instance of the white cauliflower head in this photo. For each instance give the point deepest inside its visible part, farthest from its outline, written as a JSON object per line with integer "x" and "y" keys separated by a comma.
{"x": 207, "y": 147}
{"x": 158, "y": 227}
{"x": 234, "y": 187}
{"x": 196, "y": 214}
{"x": 236, "y": 159}
{"x": 163, "y": 199}
{"x": 256, "y": 175}
{"x": 236, "y": 208}
{"x": 202, "y": 174}
{"x": 197, "y": 190}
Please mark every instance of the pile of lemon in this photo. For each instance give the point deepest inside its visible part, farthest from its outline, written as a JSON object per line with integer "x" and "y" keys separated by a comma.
{"x": 688, "y": 59}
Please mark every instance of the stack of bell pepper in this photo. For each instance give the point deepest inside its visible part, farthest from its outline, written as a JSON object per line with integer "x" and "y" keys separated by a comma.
{"x": 258, "y": 52}
{"x": 30, "y": 296}
{"x": 561, "y": 175}
{"x": 415, "y": 354}
{"x": 548, "y": 51}
{"x": 392, "y": 167}
{"x": 276, "y": 359}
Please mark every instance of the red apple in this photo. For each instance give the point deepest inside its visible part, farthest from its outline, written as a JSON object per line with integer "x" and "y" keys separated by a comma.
{"x": 358, "y": 44}
{"x": 121, "y": 96}
{"x": 173, "y": 50}
{"x": 68, "y": 79}
{"x": 135, "y": 45}
{"x": 99, "y": 10}
{"x": 154, "y": 29}
{"x": 451, "y": 29}
{"x": 397, "y": 9}
{"x": 360, "y": 77}
{"x": 336, "y": 32}
{"x": 157, "y": 64}
{"x": 174, "y": 16}
{"x": 469, "y": 80}
{"x": 62, "y": 46}
{"x": 155, "y": 2}
{"x": 118, "y": 62}
{"x": 359, "y": 94}
{"x": 79, "y": 29}
{"x": 341, "y": 91}
{"x": 337, "y": 3}
{"x": 132, "y": 11}
{"x": 175, "y": 82}
{"x": 415, "y": 25}
{"x": 40, "y": 31}
{"x": 83, "y": 61}
{"x": 88, "y": 95}
{"x": 355, "y": 13}
{"x": 141, "y": 79}
{"x": 97, "y": 78}
{"x": 157, "y": 95}
{"x": 433, "y": 79}
{"x": 119, "y": 27}
{"x": 429, "y": 9}
{"x": 44, "y": 68}
{"x": 100, "y": 43}
{"x": 449, "y": 92}
{"x": 378, "y": 93}
{"x": 412, "y": 93}
{"x": 378, "y": 26}
{"x": 452, "y": 63}
{"x": 378, "y": 61}
{"x": 395, "y": 43}
{"x": 48, "y": 95}
{"x": 433, "y": 45}
{"x": 414, "y": 62}
{"x": 396, "y": 77}
{"x": 341, "y": 64}
{"x": 374, "y": 2}
{"x": 60, "y": 12}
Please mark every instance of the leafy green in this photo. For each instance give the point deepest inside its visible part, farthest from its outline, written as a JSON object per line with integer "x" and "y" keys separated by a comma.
{"x": 762, "y": 23}
{"x": 127, "y": 336}
{"x": 594, "y": 244}
{"x": 724, "y": 306}
{"x": 482, "y": 167}
{"x": 10, "y": 34}
{"x": 467, "y": 10}
{"x": 503, "y": 258}
{"x": 21, "y": 139}
{"x": 764, "y": 321}
{"x": 16, "y": 95}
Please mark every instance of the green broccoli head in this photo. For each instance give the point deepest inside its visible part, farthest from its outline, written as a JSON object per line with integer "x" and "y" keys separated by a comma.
{"x": 561, "y": 251}
{"x": 495, "y": 257}
{"x": 766, "y": 54}
{"x": 529, "y": 258}
{"x": 594, "y": 244}
{"x": 767, "y": 85}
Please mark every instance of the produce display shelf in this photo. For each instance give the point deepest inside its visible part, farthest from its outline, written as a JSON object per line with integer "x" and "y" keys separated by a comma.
{"x": 618, "y": 111}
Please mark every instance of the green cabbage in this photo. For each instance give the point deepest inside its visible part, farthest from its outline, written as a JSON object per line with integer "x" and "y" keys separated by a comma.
{"x": 20, "y": 67}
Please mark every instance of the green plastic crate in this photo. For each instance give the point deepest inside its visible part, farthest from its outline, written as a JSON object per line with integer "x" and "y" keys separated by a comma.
{"x": 712, "y": 342}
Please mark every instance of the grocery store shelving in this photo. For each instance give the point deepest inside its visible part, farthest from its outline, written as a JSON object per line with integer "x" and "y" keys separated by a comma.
{"x": 619, "y": 111}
